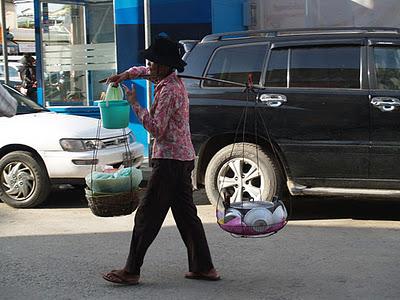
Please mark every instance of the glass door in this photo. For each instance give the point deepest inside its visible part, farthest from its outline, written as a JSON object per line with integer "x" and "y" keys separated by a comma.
{"x": 78, "y": 49}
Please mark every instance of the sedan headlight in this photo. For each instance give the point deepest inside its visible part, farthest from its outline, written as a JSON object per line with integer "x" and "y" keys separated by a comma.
{"x": 81, "y": 145}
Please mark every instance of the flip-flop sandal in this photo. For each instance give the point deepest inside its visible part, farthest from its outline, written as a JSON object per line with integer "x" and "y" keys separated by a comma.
{"x": 200, "y": 276}
{"x": 114, "y": 278}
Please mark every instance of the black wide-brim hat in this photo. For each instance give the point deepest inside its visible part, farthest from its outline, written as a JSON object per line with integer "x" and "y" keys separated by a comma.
{"x": 167, "y": 52}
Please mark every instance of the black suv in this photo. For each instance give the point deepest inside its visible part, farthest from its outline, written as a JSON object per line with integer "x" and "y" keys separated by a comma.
{"x": 325, "y": 121}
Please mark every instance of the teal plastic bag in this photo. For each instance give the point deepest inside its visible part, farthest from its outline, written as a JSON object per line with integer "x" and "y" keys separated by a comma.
{"x": 124, "y": 180}
{"x": 114, "y": 92}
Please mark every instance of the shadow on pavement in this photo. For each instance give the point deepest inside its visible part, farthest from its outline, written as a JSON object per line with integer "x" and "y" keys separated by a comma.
{"x": 65, "y": 198}
{"x": 305, "y": 208}
{"x": 299, "y": 208}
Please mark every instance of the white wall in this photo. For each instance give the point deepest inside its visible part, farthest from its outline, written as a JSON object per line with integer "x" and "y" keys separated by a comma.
{"x": 319, "y": 13}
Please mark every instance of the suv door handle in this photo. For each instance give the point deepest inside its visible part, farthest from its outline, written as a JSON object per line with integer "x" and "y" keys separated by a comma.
{"x": 272, "y": 100}
{"x": 385, "y": 103}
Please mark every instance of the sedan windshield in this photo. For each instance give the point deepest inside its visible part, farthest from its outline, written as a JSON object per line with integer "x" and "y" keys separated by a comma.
{"x": 25, "y": 105}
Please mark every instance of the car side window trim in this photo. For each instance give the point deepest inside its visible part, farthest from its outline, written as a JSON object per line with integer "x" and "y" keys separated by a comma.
{"x": 265, "y": 69}
{"x": 292, "y": 44}
{"x": 371, "y": 67}
{"x": 266, "y": 44}
{"x": 383, "y": 42}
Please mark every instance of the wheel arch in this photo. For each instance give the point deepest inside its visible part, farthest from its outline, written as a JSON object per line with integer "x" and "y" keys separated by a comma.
{"x": 36, "y": 193}
{"x": 216, "y": 143}
{"x": 20, "y": 147}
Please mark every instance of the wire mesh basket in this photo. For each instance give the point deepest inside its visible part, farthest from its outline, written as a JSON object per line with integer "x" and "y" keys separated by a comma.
{"x": 248, "y": 213}
{"x": 253, "y": 218}
{"x": 116, "y": 194}
{"x": 113, "y": 204}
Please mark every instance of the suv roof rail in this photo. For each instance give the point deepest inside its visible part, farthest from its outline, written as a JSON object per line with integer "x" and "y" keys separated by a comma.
{"x": 298, "y": 31}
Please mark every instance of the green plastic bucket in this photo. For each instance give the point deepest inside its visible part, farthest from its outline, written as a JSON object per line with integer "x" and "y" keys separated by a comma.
{"x": 114, "y": 113}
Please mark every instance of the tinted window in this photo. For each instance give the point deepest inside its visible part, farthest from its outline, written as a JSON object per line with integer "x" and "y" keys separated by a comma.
{"x": 235, "y": 63}
{"x": 387, "y": 66}
{"x": 325, "y": 67}
{"x": 277, "y": 68}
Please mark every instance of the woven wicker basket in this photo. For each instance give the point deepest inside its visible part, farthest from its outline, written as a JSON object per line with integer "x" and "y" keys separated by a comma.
{"x": 112, "y": 205}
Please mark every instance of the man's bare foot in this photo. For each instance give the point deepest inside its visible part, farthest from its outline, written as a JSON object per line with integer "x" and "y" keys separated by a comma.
{"x": 211, "y": 275}
{"x": 121, "y": 277}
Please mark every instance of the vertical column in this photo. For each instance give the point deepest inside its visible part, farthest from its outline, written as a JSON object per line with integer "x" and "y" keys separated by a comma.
{"x": 129, "y": 31}
{"x": 38, "y": 46}
{"x": 4, "y": 41}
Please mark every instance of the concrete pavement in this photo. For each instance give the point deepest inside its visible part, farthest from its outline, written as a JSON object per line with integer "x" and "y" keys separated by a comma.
{"x": 58, "y": 252}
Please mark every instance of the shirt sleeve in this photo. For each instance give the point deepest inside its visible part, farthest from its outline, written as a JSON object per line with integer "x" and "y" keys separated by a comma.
{"x": 157, "y": 124}
{"x": 135, "y": 72}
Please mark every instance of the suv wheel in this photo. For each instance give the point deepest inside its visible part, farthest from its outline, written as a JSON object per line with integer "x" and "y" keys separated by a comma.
{"x": 23, "y": 180}
{"x": 236, "y": 171}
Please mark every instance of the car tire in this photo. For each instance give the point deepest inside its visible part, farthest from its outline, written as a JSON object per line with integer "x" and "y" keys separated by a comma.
{"x": 24, "y": 181}
{"x": 227, "y": 167}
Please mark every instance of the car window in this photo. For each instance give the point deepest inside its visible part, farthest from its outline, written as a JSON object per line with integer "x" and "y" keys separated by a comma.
{"x": 325, "y": 67}
{"x": 12, "y": 72}
{"x": 235, "y": 63}
{"x": 276, "y": 75}
{"x": 387, "y": 67}
{"x": 25, "y": 105}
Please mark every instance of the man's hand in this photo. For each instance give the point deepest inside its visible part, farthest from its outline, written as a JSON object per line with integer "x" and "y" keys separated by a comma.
{"x": 116, "y": 79}
{"x": 130, "y": 94}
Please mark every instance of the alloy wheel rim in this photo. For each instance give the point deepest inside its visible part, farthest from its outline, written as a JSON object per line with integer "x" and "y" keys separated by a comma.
{"x": 242, "y": 179}
{"x": 18, "y": 181}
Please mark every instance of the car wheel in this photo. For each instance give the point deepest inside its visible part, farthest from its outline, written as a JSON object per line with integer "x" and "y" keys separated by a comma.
{"x": 23, "y": 180}
{"x": 237, "y": 172}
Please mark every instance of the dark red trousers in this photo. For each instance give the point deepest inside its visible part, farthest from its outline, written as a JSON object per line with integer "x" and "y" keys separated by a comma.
{"x": 170, "y": 186}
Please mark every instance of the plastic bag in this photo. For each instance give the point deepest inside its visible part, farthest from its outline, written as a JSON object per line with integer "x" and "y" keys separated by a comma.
{"x": 114, "y": 92}
{"x": 124, "y": 180}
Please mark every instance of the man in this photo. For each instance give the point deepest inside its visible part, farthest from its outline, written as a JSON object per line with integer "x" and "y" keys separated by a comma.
{"x": 28, "y": 76}
{"x": 172, "y": 161}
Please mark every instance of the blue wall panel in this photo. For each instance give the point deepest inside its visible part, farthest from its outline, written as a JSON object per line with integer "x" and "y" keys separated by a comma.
{"x": 183, "y": 31}
{"x": 128, "y": 11}
{"x": 130, "y": 43}
{"x": 180, "y": 11}
{"x": 227, "y": 15}
{"x": 181, "y": 19}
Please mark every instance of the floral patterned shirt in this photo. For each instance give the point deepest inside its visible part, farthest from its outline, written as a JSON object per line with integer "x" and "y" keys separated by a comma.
{"x": 168, "y": 119}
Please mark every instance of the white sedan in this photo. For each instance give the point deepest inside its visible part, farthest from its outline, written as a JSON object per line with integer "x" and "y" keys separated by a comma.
{"x": 39, "y": 147}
